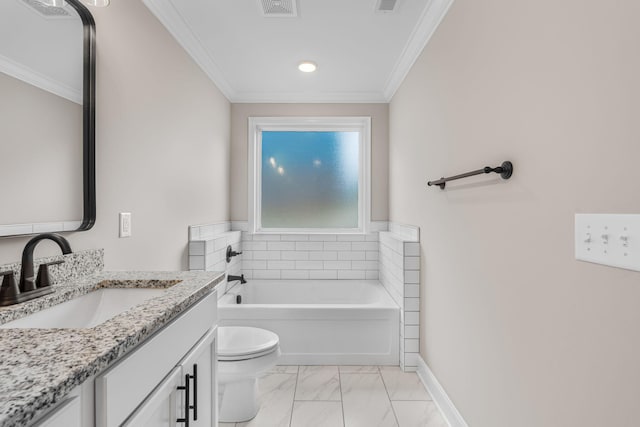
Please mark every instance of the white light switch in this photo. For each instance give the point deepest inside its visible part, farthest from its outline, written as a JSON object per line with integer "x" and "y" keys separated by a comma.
{"x": 125, "y": 224}
{"x": 609, "y": 239}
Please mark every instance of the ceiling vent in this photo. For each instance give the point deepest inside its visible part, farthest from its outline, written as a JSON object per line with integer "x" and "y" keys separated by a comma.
{"x": 49, "y": 12}
{"x": 278, "y": 8}
{"x": 386, "y": 6}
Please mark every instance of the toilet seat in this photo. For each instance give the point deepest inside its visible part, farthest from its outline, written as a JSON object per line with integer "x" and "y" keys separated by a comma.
{"x": 236, "y": 343}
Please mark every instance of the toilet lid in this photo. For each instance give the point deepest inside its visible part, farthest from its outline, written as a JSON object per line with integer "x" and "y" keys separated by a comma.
{"x": 235, "y": 341}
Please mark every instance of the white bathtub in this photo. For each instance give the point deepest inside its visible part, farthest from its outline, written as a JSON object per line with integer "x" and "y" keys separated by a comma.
{"x": 321, "y": 322}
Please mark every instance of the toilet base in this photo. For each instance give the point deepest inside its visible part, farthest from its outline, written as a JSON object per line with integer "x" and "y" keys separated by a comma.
{"x": 238, "y": 401}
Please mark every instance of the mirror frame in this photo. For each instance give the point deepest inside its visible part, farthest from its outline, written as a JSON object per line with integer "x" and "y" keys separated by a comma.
{"x": 88, "y": 120}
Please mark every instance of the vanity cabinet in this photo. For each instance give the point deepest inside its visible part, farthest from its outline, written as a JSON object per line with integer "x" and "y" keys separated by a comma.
{"x": 148, "y": 386}
{"x": 66, "y": 414}
{"x": 187, "y": 392}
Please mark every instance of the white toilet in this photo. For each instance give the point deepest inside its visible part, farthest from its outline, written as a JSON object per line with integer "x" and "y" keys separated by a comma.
{"x": 244, "y": 353}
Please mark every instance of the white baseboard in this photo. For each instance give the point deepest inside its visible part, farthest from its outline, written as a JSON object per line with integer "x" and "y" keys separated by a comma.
{"x": 439, "y": 395}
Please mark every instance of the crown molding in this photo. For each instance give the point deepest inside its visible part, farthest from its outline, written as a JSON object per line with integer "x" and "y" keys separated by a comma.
{"x": 167, "y": 14}
{"x": 39, "y": 80}
{"x": 431, "y": 17}
{"x": 309, "y": 97}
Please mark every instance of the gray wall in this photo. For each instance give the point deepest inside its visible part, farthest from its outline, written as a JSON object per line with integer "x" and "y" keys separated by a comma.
{"x": 162, "y": 145}
{"x": 518, "y": 332}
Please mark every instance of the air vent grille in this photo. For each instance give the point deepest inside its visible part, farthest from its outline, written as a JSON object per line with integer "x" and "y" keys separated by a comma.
{"x": 386, "y": 6}
{"x": 47, "y": 11}
{"x": 278, "y": 8}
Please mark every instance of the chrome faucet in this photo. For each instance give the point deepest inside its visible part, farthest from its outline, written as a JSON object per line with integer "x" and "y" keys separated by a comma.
{"x": 30, "y": 288}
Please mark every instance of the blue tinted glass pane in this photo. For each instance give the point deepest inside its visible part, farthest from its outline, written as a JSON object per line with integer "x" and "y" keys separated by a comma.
{"x": 310, "y": 179}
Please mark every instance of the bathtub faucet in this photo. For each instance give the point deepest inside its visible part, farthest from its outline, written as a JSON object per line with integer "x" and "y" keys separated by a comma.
{"x": 231, "y": 278}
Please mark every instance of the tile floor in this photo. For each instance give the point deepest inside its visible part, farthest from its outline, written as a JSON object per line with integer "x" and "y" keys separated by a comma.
{"x": 343, "y": 396}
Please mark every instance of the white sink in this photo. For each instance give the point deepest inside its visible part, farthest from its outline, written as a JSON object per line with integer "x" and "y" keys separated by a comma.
{"x": 86, "y": 311}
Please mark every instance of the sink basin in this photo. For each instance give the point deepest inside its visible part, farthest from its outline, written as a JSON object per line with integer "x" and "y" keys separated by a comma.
{"x": 86, "y": 311}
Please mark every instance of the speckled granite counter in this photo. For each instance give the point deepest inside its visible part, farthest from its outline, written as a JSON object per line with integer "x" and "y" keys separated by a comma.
{"x": 40, "y": 366}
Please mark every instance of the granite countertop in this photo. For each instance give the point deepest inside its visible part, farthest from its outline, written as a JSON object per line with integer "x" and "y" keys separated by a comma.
{"x": 40, "y": 366}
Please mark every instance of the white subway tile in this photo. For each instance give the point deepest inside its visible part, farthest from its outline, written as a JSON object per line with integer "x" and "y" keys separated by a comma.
{"x": 294, "y": 237}
{"x": 220, "y": 243}
{"x": 247, "y": 236}
{"x": 364, "y": 265}
{"x": 411, "y": 276}
{"x": 411, "y": 345}
{"x": 322, "y": 237}
{"x": 266, "y": 237}
{"x": 323, "y": 274}
{"x": 411, "y": 248}
{"x": 372, "y": 237}
{"x": 412, "y": 291}
{"x": 411, "y": 318}
{"x": 323, "y": 255}
{"x": 379, "y": 225}
{"x": 412, "y": 304}
{"x": 371, "y": 275}
{"x": 412, "y": 263}
{"x": 411, "y": 331}
{"x": 295, "y": 274}
{"x": 194, "y": 232}
{"x": 218, "y": 266}
{"x": 272, "y": 255}
{"x": 281, "y": 265}
{"x": 196, "y": 248}
{"x": 266, "y": 274}
{"x": 337, "y": 265}
{"x": 309, "y": 265}
{"x": 411, "y": 361}
{"x": 372, "y": 255}
{"x": 295, "y": 255}
{"x": 254, "y": 265}
{"x": 351, "y": 238}
{"x": 196, "y": 262}
{"x": 337, "y": 246}
{"x": 254, "y": 246}
{"x": 352, "y": 274}
{"x": 240, "y": 225}
{"x": 246, "y": 255}
{"x": 364, "y": 246}
{"x": 248, "y": 274}
{"x": 352, "y": 255}
{"x": 309, "y": 246}
{"x": 281, "y": 246}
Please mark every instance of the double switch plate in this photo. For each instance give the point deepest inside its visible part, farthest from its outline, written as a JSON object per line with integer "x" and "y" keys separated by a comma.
{"x": 609, "y": 239}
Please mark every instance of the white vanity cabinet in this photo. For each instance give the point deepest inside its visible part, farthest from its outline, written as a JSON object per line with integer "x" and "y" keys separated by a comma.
{"x": 149, "y": 386}
{"x": 66, "y": 414}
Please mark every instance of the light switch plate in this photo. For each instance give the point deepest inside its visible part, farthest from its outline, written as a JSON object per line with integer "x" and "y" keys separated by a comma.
{"x": 609, "y": 239}
{"x": 125, "y": 224}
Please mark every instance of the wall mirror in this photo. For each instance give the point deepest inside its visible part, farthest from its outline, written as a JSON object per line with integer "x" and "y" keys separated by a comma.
{"x": 47, "y": 117}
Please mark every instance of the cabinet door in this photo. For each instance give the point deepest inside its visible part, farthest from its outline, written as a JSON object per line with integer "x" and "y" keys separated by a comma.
{"x": 67, "y": 414}
{"x": 163, "y": 407}
{"x": 200, "y": 365}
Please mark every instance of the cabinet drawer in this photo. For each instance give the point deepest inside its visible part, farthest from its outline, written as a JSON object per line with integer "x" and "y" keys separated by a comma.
{"x": 125, "y": 385}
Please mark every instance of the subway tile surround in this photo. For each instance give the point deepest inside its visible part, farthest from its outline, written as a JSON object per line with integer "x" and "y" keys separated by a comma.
{"x": 392, "y": 257}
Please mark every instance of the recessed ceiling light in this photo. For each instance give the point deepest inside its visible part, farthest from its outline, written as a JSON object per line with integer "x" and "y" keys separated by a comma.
{"x": 307, "y": 66}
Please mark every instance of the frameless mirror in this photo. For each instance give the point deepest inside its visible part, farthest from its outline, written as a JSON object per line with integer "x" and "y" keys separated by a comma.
{"x": 47, "y": 116}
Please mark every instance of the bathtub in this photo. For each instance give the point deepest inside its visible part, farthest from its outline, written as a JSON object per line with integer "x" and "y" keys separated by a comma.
{"x": 320, "y": 322}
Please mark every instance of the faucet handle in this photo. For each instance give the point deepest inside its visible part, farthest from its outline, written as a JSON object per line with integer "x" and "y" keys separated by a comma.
{"x": 9, "y": 288}
{"x": 43, "y": 279}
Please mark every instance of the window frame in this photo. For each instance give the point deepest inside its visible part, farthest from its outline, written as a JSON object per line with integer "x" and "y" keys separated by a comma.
{"x": 257, "y": 125}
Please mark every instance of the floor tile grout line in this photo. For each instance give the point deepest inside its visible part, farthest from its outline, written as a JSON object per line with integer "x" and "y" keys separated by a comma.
{"x": 393, "y": 410}
{"x": 293, "y": 401}
{"x": 344, "y": 421}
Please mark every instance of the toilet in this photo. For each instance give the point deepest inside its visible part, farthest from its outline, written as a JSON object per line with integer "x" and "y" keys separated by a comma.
{"x": 244, "y": 353}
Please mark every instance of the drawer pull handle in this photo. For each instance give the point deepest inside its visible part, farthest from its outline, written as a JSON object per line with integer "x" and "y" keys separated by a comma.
{"x": 185, "y": 387}
{"x": 195, "y": 392}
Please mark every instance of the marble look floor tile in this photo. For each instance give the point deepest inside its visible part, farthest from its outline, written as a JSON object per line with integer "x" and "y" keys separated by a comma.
{"x": 418, "y": 414}
{"x": 318, "y": 383}
{"x": 284, "y": 369}
{"x": 317, "y": 414}
{"x": 403, "y": 385}
{"x": 365, "y": 401}
{"x": 358, "y": 369}
{"x": 276, "y": 401}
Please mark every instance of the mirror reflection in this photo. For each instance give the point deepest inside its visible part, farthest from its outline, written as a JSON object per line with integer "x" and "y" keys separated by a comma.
{"x": 41, "y": 117}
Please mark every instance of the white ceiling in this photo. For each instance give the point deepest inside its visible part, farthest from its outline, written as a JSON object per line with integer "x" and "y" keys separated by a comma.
{"x": 362, "y": 55}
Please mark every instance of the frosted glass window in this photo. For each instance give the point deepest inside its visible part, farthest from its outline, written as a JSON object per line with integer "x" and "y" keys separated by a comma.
{"x": 310, "y": 179}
